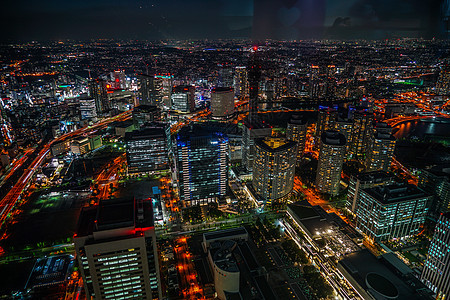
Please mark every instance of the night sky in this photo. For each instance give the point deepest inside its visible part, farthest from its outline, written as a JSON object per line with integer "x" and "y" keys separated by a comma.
{"x": 23, "y": 20}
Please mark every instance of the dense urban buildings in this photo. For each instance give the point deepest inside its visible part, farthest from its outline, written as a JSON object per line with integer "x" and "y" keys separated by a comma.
{"x": 436, "y": 271}
{"x": 331, "y": 158}
{"x": 273, "y": 168}
{"x": 269, "y": 169}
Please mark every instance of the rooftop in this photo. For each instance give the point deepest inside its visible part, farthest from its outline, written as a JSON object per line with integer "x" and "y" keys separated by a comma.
{"x": 332, "y": 137}
{"x": 396, "y": 192}
{"x": 375, "y": 176}
{"x": 272, "y": 144}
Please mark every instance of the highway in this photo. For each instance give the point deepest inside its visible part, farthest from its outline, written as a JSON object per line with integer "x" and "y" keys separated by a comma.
{"x": 9, "y": 201}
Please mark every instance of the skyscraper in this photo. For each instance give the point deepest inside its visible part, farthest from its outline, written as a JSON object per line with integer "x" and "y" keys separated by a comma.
{"x": 144, "y": 114}
{"x": 241, "y": 82}
{"x": 391, "y": 211}
{"x": 163, "y": 84}
{"x": 115, "y": 243}
{"x": 331, "y": 159}
{"x": 274, "y": 168}
{"x": 222, "y": 102}
{"x": 345, "y": 126}
{"x": 225, "y": 75}
{"x": 146, "y": 91}
{"x": 88, "y": 111}
{"x": 97, "y": 90}
{"x": 254, "y": 77}
{"x": 361, "y": 131}
{"x": 147, "y": 150}
{"x": 380, "y": 149}
{"x": 183, "y": 99}
{"x": 296, "y": 131}
{"x": 436, "y": 271}
{"x": 202, "y": 165}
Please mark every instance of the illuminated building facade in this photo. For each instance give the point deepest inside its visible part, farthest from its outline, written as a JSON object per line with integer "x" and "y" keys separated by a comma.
{"x": 296, "y": 131}
{"x": 225, "y": 75}
{"x": 202, "y": 165}
{"x": 115, "y": 243}
{"x": 241, "y": 82}
{"x": 144, "y": 114}
{"x": 437, "y": 181}
{"x": 436, "y": 271}
{"x": 183, "y": 99}
{"x": 345, "y": 127}
{"x": 391, "y": 211}
{"x": 380, "y": 148}
{"x": 331, "y": 159}
{"x": 222, "y": 102}
{"x": 274, "y": 168}
{"x": 163, "y": 84}
{"x": 97, "y": 90}
{"x": 147, "y": 150}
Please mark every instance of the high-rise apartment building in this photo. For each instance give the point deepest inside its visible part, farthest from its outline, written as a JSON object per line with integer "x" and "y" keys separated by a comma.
{"x": 391, "y": 211}
{"x": 380, "y": 150}
{"x": 361, "y": 132}
{"x": 147, "y": 150}
{"x": 183, "y": 98}
{"x": 331, "y": 159}
{"x": 274, "y": 168}
{"x": 202, "y": 165}
{"x": 241, "y": 82}
{"x": 97, "y": 90}
{"x": 222, "y": 102}
{"x": 345, "y": 126}
{"x": 362, "y": 181}
{"x": 253, "y": 128}
{"x": 254, "y": 78}
{"x": 436, "y": 271}
{"x": 115, "y": 244}
{"x": 326, "y": 120}
{"x": 296, "y": 131}
{"x": 443, "y": 82}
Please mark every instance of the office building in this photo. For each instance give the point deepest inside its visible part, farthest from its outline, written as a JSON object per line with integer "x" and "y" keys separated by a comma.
{"x": 296, "y": 131}
{"x": 88, "y": 110}
{"x": 391, "y": 211}
{"x": 274, "y": 168}
{"x": 241, "y": 82}
{"x": 97, "y": 90}
{"x": 225, "y": 75}
{"x": 436, "y": 271}
{"x": 143, "y": 114}
{"x": 362, "y": 181}
{"x": 80, "y": 145}
{"x": 380, "y": 150}
{"x": 222, "y": 102}
{"x": 147, "y": 150}
{"x": 146, "y": 91}
{"x": 253, "y": 128}
{"x": 443, "y": 82}
{"x": 183, "y": 99}
{"x": 331, "y": 159}
{"x": 254, "y": 77}
{"x": 361, "y": 132}
{"x": 115, "y": 244}
{"x": 202, "y": 165}
{"x": 437, "y": 181}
